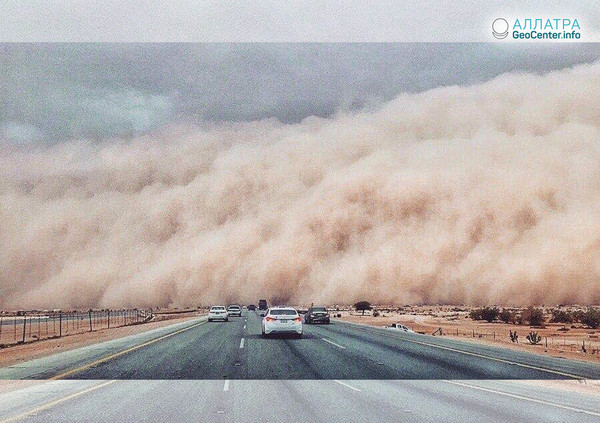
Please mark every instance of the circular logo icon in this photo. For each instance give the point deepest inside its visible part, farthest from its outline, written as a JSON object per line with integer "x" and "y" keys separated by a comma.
{"x": 500, "y": 28}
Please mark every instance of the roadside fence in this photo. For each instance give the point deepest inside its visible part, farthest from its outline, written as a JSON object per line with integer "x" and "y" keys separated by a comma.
{"x": 24, "y": 327}
{"x": 591, "y": 346}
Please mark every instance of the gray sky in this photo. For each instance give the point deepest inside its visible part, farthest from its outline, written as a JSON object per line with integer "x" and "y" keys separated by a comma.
{"x": 53, "y": 92}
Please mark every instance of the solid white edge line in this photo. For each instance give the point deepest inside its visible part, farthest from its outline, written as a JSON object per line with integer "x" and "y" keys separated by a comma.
{"x": 537, "y": 401}
{"x": 347, "y": 385}
{"x": 333, "y": 343}
{"x": 242, "y": 343}
{"x": 226, "y": 385}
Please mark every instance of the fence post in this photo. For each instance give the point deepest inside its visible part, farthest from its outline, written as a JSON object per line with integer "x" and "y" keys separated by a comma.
{"x": 24, "y": 326}
{"x": 15, "y": 327}
{"x": 90, "y": 316}
{"x": 1, "y": 318}
{"x": 109, "y": 319}
{"x": 60, "y": 324}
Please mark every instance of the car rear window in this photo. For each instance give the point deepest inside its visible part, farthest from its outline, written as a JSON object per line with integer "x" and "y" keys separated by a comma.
{"x": 235, "y": 307}
{"x": 283, "y": 312}
{"x": 319, "y": 310}
{"x": 218, "y": 308}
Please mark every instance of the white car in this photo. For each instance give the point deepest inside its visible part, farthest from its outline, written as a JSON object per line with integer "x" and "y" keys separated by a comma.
{"x": 282, "y": 320}
{"x": 398, "y": 326}
{"x": 218, "y": 313}
{"x": 234, "y": 310}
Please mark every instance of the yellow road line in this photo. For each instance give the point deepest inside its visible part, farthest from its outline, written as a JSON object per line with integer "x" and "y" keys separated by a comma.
{"x": 521, "y": 397}
{"x": 55, "y": 402}
{"x": 120, "y": 353}
{"x": 500, "y": 360}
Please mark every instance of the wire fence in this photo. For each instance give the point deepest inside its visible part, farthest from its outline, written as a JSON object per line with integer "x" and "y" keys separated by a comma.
{"x": 550, "y": 342}
{"x": 29, "y": 327}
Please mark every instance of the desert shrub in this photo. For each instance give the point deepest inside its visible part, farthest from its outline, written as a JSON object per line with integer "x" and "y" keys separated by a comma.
{"x": 375, "y": 314}
{"x": 488, "y": 314}
{"x": 532, "y": 316}
{"x": 475, "y": 314}
{"x": 591, "y": 318}
{"x": 578, "y": 315}
{"x": 362, "y": 306}
{"x": 561, "y": 316}
{"x": 534, "y": 338}
{"x": 506, "y": 316}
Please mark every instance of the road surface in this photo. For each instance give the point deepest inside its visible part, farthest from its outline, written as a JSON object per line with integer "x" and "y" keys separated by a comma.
{"x": 236, "y": 350}
{"x": 312, "y": 401}
{"x": 340, "y": 372}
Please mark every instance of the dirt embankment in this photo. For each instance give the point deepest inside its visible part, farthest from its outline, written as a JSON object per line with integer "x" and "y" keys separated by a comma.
{"x": 29, "y": 351}
{"x": 567, "y": 341}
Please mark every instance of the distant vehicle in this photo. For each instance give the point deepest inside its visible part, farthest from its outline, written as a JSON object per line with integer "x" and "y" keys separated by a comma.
{"x": 398, "y": 326}
{"x": 282, "y": 320}
{"x": 218, "y": 313}
{"x": 317, "y": 315}
{"x": 262, "y": 306}
{"x": 252, "y": 307}
{"x": 234, "y": 310}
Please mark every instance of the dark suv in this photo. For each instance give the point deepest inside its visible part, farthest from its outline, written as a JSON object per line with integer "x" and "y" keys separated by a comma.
{"x": 317, "y": 315}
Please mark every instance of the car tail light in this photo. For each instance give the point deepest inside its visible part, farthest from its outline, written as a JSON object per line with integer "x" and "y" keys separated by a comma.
{"x": 270, "y": 319}
{"x": 298, "y": 319}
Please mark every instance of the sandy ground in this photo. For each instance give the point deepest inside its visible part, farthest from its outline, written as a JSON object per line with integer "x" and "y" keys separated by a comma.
{"x": 555, "y": 341}
{"x": 25, "y": 352}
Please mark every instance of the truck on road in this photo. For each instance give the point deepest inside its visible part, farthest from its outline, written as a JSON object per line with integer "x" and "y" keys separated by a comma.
{"x": 262, "y": 306}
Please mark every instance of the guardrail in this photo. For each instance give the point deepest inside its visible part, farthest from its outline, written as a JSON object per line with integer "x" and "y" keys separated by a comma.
{"x": 25, "y": 327}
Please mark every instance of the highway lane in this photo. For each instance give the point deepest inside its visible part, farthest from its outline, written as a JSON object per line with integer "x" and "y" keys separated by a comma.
{"x": 236, "y": 350}
{"x": 293, "y": 400}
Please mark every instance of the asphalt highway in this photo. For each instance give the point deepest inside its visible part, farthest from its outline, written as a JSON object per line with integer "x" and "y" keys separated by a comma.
{"x": 297, "y": 400}
{"x": 236, "y": 350}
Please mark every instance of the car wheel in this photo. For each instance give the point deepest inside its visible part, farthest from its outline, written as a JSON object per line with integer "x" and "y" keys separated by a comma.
{"x": 298, "y": 336}
{"x": 209, "y": 320}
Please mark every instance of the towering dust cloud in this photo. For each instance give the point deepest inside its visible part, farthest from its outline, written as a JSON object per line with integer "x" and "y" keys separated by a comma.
{"x": 481, "y": 194}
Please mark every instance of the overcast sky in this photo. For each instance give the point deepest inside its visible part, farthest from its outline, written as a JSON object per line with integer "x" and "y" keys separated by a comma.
{"x": 54, "y": 92}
